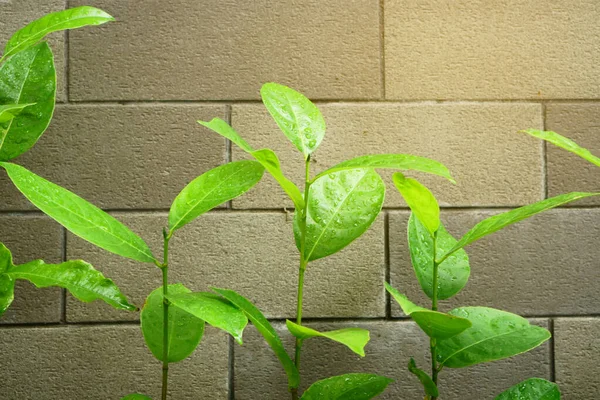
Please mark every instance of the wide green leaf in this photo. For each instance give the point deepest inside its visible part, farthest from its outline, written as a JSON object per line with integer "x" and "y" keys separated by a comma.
{"x": 420, "y": 200}
{"x": 354, "y": 338}
{"x": 213, "y": 188}
{"x": 185, "y": 330}
{"x": 429, "y": 385}
{"x": 136, "y": 396}
{"x": 213, "y": 309}
{"x": 78, "y": 216}
{"x": 7, "y": 284}
{"x": 28, "y": 78}
{"x": 565, "y": 143}
{"x": 494, "y": 335}
{"x": 497, "y": 222}
{"x": 10, "y": 111}
{"x": 78, "y": 277}
{"x": 266, "y": 330}
{"x": 406, "y": 162}
{"x": 266, "y": 157}
{"x": 347, "y": 387}
{"x": 531, "y": 389}
{"x": 297, "y": 117}
{"x": 65, "y": 19}
{"x": 434, "y": 323}
{"x": 341, "y": 207}
{"x": 453, "y": 273}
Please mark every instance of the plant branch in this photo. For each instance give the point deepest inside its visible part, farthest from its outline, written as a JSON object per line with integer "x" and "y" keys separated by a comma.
{"x": 165, "y": 278}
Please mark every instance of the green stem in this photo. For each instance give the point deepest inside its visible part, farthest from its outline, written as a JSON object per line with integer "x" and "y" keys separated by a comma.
{"x": 434, "y": 307}
{"x": 165, "y": 279}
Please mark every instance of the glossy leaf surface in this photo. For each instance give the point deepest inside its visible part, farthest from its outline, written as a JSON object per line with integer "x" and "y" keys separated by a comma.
{"x": 341, "y": 207}
{"x": 213, "y": 309}
{"x": 7, "y": 284}
{"x": 347, "y": 387}
{"x": 10, "y": 111}
{"x": 420, "y": 200}
{"x": 297, "y": 117}
{"x": 266, "y": 330}
{"x": 136, "y": 396}
{"x": 354, "y": 338}
{"x": 435, "y": 324}
{"x": 212, "y": 189}
{"x": 531, "y": 389}
{"x": 565, "y": 143}
{"x": 28, "y": 78}
{"x": 429, "y": 386}
{"x": 6, "y": 261}
{"x": 494, "y": 335}
{"x": 453, "y": 273}
{"x": 497, "y": 222}
{"x": 66, "y": 19}
{"x": 78, "y": 277}
{"x": 78, "y": 216}
{"x": 185, "y": 330}
{"x": 406, "y": 162}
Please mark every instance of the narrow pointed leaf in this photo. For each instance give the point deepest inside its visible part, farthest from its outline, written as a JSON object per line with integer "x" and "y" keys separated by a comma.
{"x": 136, "y": 396}
{"x": 78, "y": 216}
{"x": 214, "y": 310}
{"x": 430, "y": 387}
{"x": 420, "y": 200}
{"x": 565, "y": 143}
{"x": 66, "y": 19}
{"x": 7, "y": 284}
{"x": 10, "y": 111}
{"x": 435, "y": 324}
{"x": 6, "y": 261}
{"x": 28, "y": 78}
{"x": 531, "y": 389}
{"x": 497, "y": 222}
{"x": 212, "y": 189}
{"x": 185, "y": 330}
{"x": 406, "y": 162}
{"x": 494, "y": 335}
{"x": 297, "y": 117}
{"x": 354, "y": 338}
{"x": 453, "y": 272}
{"x": 266, "y": 330}
{"x": 224, "y": 129}
{"x": 347, "y": 387}
{"x": 341, "y": 207}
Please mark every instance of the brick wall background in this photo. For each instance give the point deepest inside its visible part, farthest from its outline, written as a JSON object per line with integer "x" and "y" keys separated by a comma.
{"x": 449, "y": 79}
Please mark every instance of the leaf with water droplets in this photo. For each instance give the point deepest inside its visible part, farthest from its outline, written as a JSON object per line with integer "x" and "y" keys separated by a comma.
{"x": 297, "y": 117}
{"x": 430, "y": 387}
{"x": 185, "y": 330}
{"x": 10, "y": 111}
{"x": 531, "y": 389}
{"x": 347, "y": 387}
{"x": 420, "y": 200}
{"x": 564, "y": 143}
{"x": 7, "y": 284}
{"x": 494, "y": 335}
{"x": 354, "y": 338}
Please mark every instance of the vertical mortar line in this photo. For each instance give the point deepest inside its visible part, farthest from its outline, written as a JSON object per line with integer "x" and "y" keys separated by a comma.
{"x": 544, "y": 155}
{"x": 63, "y": 292}
{"x": 231, "y": 369}
{"x": 228, "y": 156}
{"x": 382, "y": 47}
{"x": 552, "y": 346}
{"x": 386, "y": 246}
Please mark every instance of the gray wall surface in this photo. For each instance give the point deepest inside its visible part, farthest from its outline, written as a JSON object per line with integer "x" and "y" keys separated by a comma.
{"x": 449, "y": 79}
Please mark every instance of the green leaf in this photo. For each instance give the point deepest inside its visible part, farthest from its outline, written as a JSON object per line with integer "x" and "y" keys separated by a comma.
{"x": 434, "y": 323}
{"x": 7, "y": 284}
{"x": 497, "y": 222}
{"x": 78, "y": 277}
{"x": 406, "y": 162}
{"x": 27, "y": 78}
{"x": 66, "y": 19}
{"x": 213, "y": 309}
{"x": 78, "y": 216}
{"x": 341, "y": 207}
{"x": 266, "y": 157}
{"x": 136, "y": 396}
{"x": 347, "y": 387}
{"x": 297, "y": 117}
{"x": 10, "y": 111}
{"x": 430, "y": 387}
{"x": 265, "y": 329}
{"x": 420, "y": 200}
{"x": 354, "y": 338}
{"x": 494, "y": 335}
{"x": 185, "y": 330}
{"x": 531, "y": 389}
{"x": 213, "y": 188}
{"x": 565, "y": 143}
{"x": 6, "y": 261}
{"x": 453, "y": 272}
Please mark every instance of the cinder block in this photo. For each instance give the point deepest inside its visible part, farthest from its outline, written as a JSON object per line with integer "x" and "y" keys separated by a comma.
{"x": 253, "y": 253}
{"x": 105, "y": 362}
{"x": 208, "y": 50}
{"x": 545, "y": 265}
{"x": 479, "y": 143}
{"x": 507, "y": 49}
{"x": 566, "y": 171}
{"x": 123, "y": 156}
{"x": 391, "y": 346}
{"x": 32, "y": 237}
{"x": 577, "y": 353}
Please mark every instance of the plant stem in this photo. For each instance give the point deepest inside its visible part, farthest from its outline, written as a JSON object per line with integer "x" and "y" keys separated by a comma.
{"x": 165, "y": 279}
{"x": 434, "y": 307}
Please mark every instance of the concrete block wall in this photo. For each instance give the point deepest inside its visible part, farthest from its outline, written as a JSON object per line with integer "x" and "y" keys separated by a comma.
{"x": 449, "y": 79}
